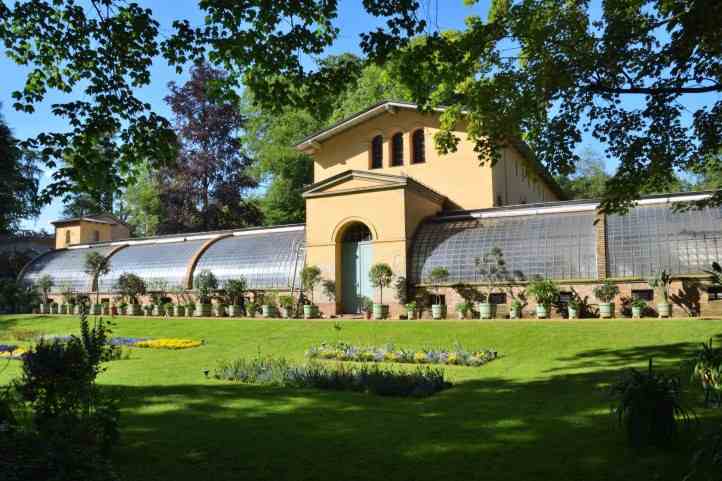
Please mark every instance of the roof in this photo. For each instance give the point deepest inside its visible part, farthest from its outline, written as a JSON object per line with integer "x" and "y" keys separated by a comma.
{"x": 102, "y": 218}
{"x": 380, "y": 108}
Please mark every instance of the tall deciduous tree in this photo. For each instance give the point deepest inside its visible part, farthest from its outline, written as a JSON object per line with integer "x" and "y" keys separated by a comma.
{"x": 209, "y": 186}
{"x": 19, "y": 179}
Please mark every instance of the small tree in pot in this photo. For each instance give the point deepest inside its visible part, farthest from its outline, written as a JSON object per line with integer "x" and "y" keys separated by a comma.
{"x": 381, "y": 276}
{"x": 286, "y": 303}
{"x": 130, "y": 287}
{"x": 96, "y": 266}
{"x": 44, "y": 285}
{"x": 545, "y": 292}
{"x": 310, "y": 277}
{"x": 182, "y": 299}
{"x": 661, "y": 284}
{"x": 205, "y": 283}
{"x": 638, "y": 307}
{"x": 437, "y": 277}
{"x": 158, "y": 296}
{"x": 491, "y": 268}
{"x": 328, "y": 287}
{"x": 518, "y": 302}
{"x": 235, "y": 294}
{"x": 606, "y": 294}
{"x": 269, "y": 308}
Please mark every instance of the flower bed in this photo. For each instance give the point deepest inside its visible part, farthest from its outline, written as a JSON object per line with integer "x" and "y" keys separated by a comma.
{"x": 347, "y": 352}
{"x": 9, "y": 351}
{"x": 374, "y": 379}
{"x": 168, "y": 343}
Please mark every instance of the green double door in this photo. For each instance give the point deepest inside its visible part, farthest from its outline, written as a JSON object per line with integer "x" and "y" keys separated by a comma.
{"x": 356, "y": 261}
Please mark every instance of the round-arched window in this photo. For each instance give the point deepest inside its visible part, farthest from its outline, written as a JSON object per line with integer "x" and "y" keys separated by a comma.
{"x": 357, "y": 232}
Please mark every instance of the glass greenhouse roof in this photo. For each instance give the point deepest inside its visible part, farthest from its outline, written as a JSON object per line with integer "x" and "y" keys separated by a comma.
{"x": 157, "y": 262}
{"x": 554, "y": 245}
{"x": 267, "y": 260}
{"x": 653, "y": 238}
{"x": 66, "y": 267}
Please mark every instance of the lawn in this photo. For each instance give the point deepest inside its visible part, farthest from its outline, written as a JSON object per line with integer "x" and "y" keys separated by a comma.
{"x": 541, "y": 412}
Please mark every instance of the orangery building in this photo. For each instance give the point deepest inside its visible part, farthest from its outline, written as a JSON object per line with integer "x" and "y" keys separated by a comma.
{"x": 382, "y": 193}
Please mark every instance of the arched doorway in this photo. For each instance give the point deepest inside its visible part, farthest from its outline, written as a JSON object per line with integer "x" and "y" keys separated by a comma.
{"x": 356, "y": 260}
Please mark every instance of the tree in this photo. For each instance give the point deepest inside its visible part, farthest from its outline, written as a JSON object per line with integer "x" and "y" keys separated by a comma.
{"x": 45, "y": 283}
{"x": 141, "y": 203}
{"x": 589, "y": 179}
{"x": 130, "y": 286}
{"x": 547, "y": 71}
{"x": 19, "y": 182}
{"x": 380, "y": 276}
{"x": 206, "y": 188}
{"x": 310, "y": 277}
{"x": 96, "y": 266}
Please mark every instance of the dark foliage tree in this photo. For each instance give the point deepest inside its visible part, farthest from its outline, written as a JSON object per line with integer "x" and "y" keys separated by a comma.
{"x": 208, "y": 186}
{"x": 19, "y": 180}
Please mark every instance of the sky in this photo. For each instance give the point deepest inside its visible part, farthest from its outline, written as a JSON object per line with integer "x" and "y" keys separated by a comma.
{"x": 352, "y": 21}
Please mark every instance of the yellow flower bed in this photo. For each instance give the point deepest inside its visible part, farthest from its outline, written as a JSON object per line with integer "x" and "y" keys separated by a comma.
{"x": 168, "y": 343}
{"x": 13, "y": 354}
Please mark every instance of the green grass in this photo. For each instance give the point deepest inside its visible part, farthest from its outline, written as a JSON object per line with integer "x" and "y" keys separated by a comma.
{"x": 539, "y": 413}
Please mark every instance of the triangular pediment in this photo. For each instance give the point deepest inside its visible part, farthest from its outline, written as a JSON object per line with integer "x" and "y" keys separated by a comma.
{"x": 354, "y": 181}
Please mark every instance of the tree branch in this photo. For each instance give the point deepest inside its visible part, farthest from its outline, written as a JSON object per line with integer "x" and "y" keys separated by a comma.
{"x": 599, "y": 88}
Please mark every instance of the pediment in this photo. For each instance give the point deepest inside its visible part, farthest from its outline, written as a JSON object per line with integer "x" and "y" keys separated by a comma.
{"x": 354, "y": 181}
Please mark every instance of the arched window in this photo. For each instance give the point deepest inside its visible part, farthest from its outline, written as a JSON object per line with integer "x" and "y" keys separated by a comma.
{"x": 67, "y": 237}
{"x": 397, "y": 149}
{"x": 377, "y": 152}
{"x": 357, "y": 232}
{"x": 418, "y": 155}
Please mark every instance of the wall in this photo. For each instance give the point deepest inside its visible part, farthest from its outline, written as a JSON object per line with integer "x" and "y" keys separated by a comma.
{"x": 515, "y": 182}
{"x": 457, "y": 175}
{"x": 83, "y": 232}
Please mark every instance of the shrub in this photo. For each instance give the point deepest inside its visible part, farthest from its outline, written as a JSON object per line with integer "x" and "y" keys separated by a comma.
{"x": 130, "y": 286}
{"x": 380, "y": 276}
{"x": 329, "y": 290}
{"x": 310, "y": 277}
{"x": 374, "y": 379}
{"x": 708, "y": 372}
{"x": 16, "y": 297}
{"x": 545, "y": 291}
{"x": 235, "y": 291}
{"x": 606, "y": 292}
{"x": 648, "y": 406}
{"x": 206, "y": 284}
{"x": 44, "y": 284}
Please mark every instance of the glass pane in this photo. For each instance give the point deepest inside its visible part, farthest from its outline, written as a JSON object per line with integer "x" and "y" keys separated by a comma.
{"x": 66, "y": 267}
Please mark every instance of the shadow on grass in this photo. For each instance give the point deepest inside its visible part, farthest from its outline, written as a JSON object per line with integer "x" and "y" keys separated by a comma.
{"x": 557, "y": 428}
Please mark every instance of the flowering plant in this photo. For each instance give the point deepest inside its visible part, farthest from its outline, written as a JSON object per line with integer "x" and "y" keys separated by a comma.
{"x": 346, "y": 352}
{"x": 9, "y": 351}
{"x": 168, "y": 343}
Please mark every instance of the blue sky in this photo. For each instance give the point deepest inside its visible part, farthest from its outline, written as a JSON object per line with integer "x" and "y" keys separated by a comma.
{"x": 352, "y": 21}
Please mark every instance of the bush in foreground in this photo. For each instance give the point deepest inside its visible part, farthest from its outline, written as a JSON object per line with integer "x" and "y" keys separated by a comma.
{"x": 374, "y": 379}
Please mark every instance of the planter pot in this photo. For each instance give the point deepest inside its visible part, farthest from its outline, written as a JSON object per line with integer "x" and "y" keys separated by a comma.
{"x": 190, "y": 310}
{"x": 132, "y": 310}
{"x": 219, "y": 311}
{"x": 44, "y": 309}
{"x": 179, "y": 311}
{"x": 63, "y": 309}
{"x": 636, "y": 312}
{"x": 54, "y": 308}
{"x": 486, "y": 310}
{"x": 158, "y": 311}
{"x": 514, "y": 313}
{"x": 96, "y": 309}
{"x": 573, "y": 313}
{"x": 410, "y": 314}
{"x": 203, "y": 310}
{"x": 606, "y": 310}
{"x": 147, "y": 310}
{"x": 541, "y": 311}
{"x": 235, "y": 311}
{"x": 310, "y": 311}
{"x": 381, "y": 311}
{"x": 250, "y": 312}
{"x": 664, "y": 309}
{"x": 438, "y": 311}
{"x": 284, "y": 312}
{"x": 268, "y": 311}
{"x": 105, "y": 310}
{"x": 77, "y": 308}
{"x": 169, "y": 311}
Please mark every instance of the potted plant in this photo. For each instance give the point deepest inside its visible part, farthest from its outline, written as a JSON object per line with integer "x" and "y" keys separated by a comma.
{"x": 105, "y": 309}
{"x": 235, "y": 294}
{"x": 462, "y": 309}
{"x": 286, "y": 303}
{"x": 310, "y": 277}
{"x": 123, "y": 308}
{"x": 44, "y": 285}
{"x": 168, "y": 309}
{"x": 190, "y": 308}
{"x": 328, "y": 287}
{"x": 437, "y": 277}
{"x": 269, "y": 306}
{"x": 410, "y": 310}
{"x": 606, "y": 293}
{"x": 53, "y": 307}
{"x": 365, "y": 306}
{"x": 130, "y": 287}
{"x": 251, "y": 308}
{"x": 220, "y": 309}
{"x": 205, "y": 284}
{"x": 545, "y": 292}
{"x": 573, "y": 307}
{"x": 380, "y": 276}
{"x": 661, "y": 284}
{"x": 96, "y": 266}
{"x": 515, "y": 309}
{"x": 491, "y": 268}
{"x": 638, "y": 307}
{"x": 148, "y": 309}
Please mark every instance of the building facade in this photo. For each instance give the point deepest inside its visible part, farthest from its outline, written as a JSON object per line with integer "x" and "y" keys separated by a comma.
{"x": 382, "y": 193}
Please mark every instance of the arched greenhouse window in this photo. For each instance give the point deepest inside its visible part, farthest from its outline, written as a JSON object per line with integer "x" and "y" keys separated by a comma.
{"x": 397, "y": 149}
{"x": 418, "y": 155}
{"x": 377, "y": 152}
